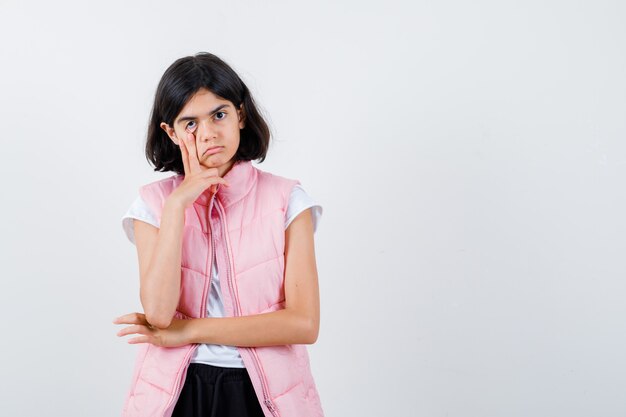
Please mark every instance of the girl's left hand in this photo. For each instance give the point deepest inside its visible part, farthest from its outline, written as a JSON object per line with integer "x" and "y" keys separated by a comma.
{"x": 177, "y": 334}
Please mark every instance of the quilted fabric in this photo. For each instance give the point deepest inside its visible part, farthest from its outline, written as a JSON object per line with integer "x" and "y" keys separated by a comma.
{"x": 244, "y": 225}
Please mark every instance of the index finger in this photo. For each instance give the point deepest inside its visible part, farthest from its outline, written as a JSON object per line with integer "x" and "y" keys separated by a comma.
{"x": 194, "y": 162}
{"x": 184, "y": 154}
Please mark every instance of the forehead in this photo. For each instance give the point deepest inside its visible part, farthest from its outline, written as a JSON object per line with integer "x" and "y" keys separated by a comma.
{"x": 204, "y": 96}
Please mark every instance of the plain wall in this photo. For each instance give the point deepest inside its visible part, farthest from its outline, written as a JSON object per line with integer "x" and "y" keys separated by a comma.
{"x": 469, "y": 157}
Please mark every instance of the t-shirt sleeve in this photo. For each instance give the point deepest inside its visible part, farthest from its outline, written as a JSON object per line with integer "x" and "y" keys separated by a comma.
{"x": 138, "y": 210}
{"x": 299, "y": 200}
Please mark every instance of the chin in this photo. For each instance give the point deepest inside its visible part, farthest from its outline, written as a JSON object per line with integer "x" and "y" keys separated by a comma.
{"x": 209, "y": 164}
{"x": 216, "y": 163}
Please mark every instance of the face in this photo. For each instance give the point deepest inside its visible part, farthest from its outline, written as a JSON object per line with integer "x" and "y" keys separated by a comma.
{"x": 215, "y": 123}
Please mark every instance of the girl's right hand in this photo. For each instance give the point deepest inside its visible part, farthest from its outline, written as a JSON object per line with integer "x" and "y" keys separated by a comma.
{"x": 197, "y": 177}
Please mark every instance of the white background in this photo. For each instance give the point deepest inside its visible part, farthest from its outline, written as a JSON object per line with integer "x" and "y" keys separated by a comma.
{"x": 469, "y": 157}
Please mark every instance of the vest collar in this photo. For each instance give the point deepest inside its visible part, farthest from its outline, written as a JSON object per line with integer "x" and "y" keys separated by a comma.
{"x": 241, "y": 177}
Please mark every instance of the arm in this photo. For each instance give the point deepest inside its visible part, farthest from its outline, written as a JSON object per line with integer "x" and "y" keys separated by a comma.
{"x": 159, "y": 251}
{"x": 297, "y": 323}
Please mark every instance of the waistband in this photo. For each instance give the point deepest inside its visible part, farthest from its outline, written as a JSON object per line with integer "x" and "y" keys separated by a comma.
{"x": 211, "y": 374}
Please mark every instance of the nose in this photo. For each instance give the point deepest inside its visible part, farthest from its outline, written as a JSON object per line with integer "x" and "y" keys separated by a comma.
{"x": 206, "y": 131}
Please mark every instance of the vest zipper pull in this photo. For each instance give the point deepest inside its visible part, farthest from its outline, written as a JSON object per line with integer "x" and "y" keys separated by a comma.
{"x": 269, "y": 405}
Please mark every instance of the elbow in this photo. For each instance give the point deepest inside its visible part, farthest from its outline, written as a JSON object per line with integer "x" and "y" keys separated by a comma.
{"x": 312, "y": 331}
{"x": 158, "y": 320}
{"x": 308, "y": 328}
{"x": 155, "y": 315}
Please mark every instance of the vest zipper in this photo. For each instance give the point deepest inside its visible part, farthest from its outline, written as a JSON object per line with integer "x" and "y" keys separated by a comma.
{"x": 207, "y": 287}
{"x": 235, "y": 301}
{"x": 177, "y": 388}
{"x": 205, "y": 293}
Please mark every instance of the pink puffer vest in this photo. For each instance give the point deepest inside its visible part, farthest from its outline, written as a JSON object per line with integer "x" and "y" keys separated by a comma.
{"x": 244, "y": 225}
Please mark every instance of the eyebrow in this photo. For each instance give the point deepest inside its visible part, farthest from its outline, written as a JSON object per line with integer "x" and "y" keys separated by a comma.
{"x": 215, "y": 110}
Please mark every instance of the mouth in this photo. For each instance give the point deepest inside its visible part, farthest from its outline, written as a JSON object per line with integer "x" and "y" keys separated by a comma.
{"x": 212, "y": 150}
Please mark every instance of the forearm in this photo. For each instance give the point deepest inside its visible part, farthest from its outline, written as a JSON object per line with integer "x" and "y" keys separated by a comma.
{"x": 281, "y": 327}
{"x": 160, "y": 291}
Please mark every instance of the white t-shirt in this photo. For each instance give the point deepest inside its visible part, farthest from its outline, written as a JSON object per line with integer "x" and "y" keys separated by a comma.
{"x": 220, "y": 355}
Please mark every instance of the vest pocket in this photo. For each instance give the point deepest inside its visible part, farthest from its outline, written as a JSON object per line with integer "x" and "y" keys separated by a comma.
{"x": 161, "y": 366}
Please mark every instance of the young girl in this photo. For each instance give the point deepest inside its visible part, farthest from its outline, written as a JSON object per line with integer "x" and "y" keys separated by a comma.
{"x": 228, "y": 277}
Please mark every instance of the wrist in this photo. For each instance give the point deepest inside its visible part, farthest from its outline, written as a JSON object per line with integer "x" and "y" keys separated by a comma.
{"x": 197, "y": 330}
{"x": 173, "y": 204}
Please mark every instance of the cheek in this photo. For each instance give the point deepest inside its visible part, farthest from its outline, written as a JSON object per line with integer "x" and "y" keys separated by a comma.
{"x": 233, "y": 139}
{"x": 236, "y": 134}
{"x": 180, "y": 133}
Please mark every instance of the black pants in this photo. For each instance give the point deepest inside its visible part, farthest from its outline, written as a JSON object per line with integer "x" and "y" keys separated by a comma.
{"x": 211, "y": 391}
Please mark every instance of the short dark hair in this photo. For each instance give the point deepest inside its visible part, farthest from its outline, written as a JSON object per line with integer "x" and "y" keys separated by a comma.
{"x": 178, "y": 84}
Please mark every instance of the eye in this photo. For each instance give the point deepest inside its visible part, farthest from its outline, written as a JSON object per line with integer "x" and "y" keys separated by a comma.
{"x": 221, "y": 112}
{"x": 191, "y": 126}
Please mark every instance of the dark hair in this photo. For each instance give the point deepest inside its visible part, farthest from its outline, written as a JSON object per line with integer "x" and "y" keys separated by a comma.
{"x": 178, "y": 84}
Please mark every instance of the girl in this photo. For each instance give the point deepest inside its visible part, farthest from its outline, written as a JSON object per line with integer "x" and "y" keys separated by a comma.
{"x": 228, "y": 277}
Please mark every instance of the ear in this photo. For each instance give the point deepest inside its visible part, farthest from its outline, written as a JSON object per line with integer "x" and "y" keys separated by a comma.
{"x": 170, "y": 132}
{"x": 241, "y": 114}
